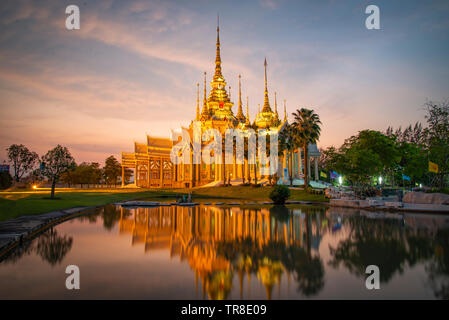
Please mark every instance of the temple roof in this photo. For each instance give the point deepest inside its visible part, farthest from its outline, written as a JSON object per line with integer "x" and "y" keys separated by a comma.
{"x": 159, "y": 142}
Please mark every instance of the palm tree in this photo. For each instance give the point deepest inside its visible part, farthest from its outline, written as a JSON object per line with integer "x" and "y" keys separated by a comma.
{"x": 288, "y": 141}
{"x": 307, "y": 130}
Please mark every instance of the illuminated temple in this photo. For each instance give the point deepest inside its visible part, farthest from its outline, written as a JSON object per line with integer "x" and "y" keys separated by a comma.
{"x": 151, "y": 160}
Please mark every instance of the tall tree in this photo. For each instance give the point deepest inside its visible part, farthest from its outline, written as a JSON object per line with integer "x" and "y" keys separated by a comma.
{"x": 307, "y": 126}
{"x": 22, "y": 159}
{"x": 54, "y": 163}
{"x": 437, "y": 136}
{"x": 112, "y": 170}
{"x": 70, "y": 176}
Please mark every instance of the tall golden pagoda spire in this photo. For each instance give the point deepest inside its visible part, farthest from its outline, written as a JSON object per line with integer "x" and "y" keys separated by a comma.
{"x": 229, "y": 92}
{"x": 240, "y": 116}
{"x": 266, "y": 103}
{"x": 205, "y": 112}
{"x": 218, "y": 57}
{"x": 285, "y": 112}
{"x": 218, "y": 102}
{"x": 197, "y": 101}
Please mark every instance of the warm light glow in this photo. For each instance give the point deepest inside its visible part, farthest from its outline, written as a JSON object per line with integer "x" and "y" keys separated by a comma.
{"x": 340, "y": 180}
{"x": 380, "y": 180}
{"x": 34, "y": 187}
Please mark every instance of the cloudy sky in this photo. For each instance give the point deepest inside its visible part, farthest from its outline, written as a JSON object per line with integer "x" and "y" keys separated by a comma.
{"x": 133, "y": 66}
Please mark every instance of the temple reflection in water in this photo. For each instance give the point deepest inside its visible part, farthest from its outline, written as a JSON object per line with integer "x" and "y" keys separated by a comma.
{"x": 221, "y": 242}
{"x": 294, "y": 252}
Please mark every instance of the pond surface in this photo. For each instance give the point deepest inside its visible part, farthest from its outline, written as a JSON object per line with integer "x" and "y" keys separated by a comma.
{"x": 209, "y": 252}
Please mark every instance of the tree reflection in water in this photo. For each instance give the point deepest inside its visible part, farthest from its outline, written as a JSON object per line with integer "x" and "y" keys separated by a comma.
{"x": 49, "y": 245}
{"x": 438, "y": 267}
{"x": 393, "y": 246}
{"x": 53, "y": 247}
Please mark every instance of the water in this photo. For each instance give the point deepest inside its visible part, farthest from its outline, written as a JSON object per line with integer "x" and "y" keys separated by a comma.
{"x": 233, "y": 253}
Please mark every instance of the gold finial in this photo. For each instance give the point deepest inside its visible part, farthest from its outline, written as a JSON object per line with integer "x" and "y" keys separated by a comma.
{"x": 240, "y": 91}
{"x": 266, "y": 103}
{"x": 285, "y": 112}
{"x": 205, "y": 112}
{"x": 197, "y": 101}
{"x": 218, "y": 58}
{"x": 240, "y": 116}
{"x": 265, "y": 64}
{"x": 229, "y": 92}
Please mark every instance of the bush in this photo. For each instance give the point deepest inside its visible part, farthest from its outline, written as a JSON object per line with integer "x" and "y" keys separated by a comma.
{"x": 5, "y": 180}
{"x": 365, "y": 191}
{"x": 279, "y": 194}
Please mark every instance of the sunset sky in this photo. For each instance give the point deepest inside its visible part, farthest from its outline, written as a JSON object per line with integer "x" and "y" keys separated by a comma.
{"x": 133, "y": 66}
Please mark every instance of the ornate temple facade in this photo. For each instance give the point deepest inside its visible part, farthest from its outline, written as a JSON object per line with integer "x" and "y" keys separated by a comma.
{"x": 151, "y": 160}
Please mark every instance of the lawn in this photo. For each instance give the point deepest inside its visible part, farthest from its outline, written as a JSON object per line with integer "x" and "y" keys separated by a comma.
{"x": 15, "y": 204}
{"x": 19, "y": 203}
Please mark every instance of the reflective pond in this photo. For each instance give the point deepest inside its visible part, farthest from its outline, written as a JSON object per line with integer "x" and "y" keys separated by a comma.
{"x": 210, "y": 252}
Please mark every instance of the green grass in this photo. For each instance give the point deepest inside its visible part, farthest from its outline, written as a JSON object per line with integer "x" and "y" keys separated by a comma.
{"x": 20, "y": 203}
{"x": 15, "y": 204}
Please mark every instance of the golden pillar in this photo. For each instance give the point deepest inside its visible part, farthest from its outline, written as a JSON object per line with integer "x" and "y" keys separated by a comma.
{"x": 234, "y": 167}
{"x": 148, "y": 173}
{"x": 161, "y": 172}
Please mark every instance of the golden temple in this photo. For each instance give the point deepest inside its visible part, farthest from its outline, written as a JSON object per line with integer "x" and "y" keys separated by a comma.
{"x": 151, "y": 161}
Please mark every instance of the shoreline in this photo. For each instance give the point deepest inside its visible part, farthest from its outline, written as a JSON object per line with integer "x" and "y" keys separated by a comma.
{"x": 27, "y": 227}
{"x": 393, "y": 206}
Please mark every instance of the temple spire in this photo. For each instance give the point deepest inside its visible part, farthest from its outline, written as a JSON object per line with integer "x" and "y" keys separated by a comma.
{"x": 240, "y": 116}
{"x": 240, "y": 92}
{"x": 197, "y": 101}
{"x": 285, "y": 112}
{"x": 229, "y": 92}
{"x": 266, "y": 103}
{"x": 218, "y": 57}
{"x": 205, "y": 112}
